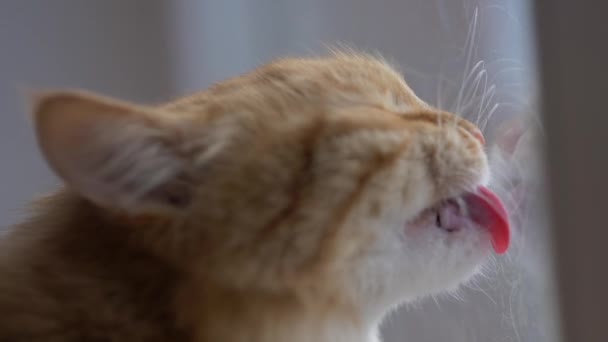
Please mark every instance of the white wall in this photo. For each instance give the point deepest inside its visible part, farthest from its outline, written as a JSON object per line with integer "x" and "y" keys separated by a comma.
{"x": 114, "y": 47}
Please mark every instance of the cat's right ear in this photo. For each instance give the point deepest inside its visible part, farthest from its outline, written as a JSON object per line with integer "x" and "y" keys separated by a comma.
{"x": 115, "y": 154}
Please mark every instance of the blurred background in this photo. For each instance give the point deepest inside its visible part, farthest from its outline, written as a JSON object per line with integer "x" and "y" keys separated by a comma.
{"x": 475, "y": 57}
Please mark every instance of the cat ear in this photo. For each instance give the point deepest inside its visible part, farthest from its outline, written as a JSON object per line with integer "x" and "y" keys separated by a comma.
{"x": 115, "y": 154}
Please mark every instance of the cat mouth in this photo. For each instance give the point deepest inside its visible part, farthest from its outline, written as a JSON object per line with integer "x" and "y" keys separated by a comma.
{"x": 481, "y": 207}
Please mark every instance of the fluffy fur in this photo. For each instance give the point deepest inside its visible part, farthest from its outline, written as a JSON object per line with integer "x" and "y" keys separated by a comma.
{"x": 283, "y": 205}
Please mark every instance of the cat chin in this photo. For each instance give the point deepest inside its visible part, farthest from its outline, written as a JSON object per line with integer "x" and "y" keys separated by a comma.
{"x": 390, "y": 284}
{"x": 400, "y": 297}
{"x": 445, "y": 268}
{"x": 433, "y": 291}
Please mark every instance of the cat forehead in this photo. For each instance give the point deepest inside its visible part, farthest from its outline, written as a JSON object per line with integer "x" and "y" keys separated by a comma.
{"x": 342, "y": 80}
{"x": 343, "y": 72}
{"x": 352, "y": 65}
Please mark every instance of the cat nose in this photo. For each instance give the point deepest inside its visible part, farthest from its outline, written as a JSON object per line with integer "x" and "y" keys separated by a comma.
{"x": 478, "y": 135}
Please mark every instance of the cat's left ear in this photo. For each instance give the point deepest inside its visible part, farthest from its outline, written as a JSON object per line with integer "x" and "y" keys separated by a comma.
{"x": 115, "y": 154}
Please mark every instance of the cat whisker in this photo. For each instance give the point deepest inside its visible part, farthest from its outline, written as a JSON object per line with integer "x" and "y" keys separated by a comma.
{"x": 475, "y": 287}
{"x": 488, "y": 113}
{"x": 471, "y": 76}
{"x": 480, "y": 73}
{"x": 469, "y": 44}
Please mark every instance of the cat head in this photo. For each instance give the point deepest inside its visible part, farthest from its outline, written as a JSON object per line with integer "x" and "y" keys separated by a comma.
{"x": 327, "y": 179}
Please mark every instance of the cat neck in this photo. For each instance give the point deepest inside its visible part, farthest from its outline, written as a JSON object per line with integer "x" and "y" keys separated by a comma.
{"x": 75, "y": 243}
{"x": 67, "y": 271}
{"x": 217, "y": 314}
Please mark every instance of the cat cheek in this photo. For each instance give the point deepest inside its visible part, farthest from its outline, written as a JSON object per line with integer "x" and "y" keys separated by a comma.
{"x": 417, "y": 228}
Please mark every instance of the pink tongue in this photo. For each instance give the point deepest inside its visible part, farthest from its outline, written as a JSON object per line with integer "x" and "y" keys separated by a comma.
{"x": 487, "y": 210}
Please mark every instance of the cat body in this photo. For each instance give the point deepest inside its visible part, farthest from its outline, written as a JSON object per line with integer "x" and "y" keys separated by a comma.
{"x": 299, "y": 202}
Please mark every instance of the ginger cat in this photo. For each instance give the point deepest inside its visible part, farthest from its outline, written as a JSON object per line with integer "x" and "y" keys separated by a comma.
{"x": 299, "y": 202}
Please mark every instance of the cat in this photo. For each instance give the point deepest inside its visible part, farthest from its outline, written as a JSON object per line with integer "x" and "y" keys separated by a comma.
{"x": 299, "y": 202}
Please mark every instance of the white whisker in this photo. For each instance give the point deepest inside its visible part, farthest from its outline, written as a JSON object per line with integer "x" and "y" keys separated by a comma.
{"x": 469, "y": 44}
